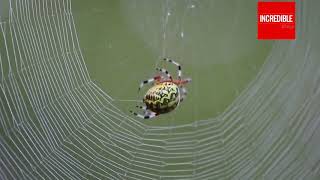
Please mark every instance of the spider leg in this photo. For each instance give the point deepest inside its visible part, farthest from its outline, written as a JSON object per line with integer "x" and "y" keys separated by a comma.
{"x": 151, "y": 114}
{"x": 142, "y": 107}
{"x": 156, "y": 78}
{"x": 165, "y": 72}
{"x": 177, "y": 64}
{"x": 183, "y": 92}
{"x": 147, "y": 115}
{"x": 185, "y": 81}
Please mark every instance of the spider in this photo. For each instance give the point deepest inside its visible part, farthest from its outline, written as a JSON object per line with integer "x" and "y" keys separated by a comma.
{"x": 165, "y": 94}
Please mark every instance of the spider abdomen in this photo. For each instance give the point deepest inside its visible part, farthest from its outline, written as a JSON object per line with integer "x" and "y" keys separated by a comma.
{"x": 162, "y": 98}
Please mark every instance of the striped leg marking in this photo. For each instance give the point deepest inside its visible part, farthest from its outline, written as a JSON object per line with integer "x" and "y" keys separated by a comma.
{"x": 165, "y": 72}
{"x": 146, "y": 82}
{"x": 184, "y": 93}
{"x": 175, "y": 63}
{"x": 142, "y": 107}
{"x": 147, "y": 115}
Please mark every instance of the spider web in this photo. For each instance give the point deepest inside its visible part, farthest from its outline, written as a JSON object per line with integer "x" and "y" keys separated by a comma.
{"x": 56, "y": 123}
{"x": 194, "y": 34}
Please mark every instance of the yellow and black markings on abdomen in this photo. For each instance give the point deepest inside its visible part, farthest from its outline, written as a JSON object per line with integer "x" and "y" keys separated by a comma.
{"x": 162, "y": 98}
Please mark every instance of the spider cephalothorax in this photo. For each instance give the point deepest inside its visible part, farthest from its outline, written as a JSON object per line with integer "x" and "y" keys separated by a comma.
{"x": 165, "y": 94}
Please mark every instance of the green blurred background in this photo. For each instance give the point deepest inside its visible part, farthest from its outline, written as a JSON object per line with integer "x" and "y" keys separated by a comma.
{"x": 215, "y": 41}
